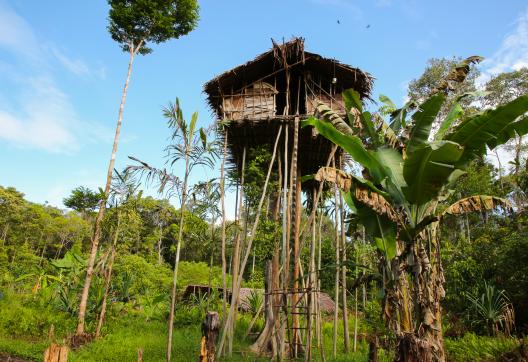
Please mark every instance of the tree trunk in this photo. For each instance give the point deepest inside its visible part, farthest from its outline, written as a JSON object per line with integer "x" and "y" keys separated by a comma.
{"x": 414, "y": 307}
{"x": 210, "y": 328}
{"x": 159, "y": 244}
{"x": 177, "y": 256}
{"x": 108, "y": 279}
{"x": 102, "y": 205}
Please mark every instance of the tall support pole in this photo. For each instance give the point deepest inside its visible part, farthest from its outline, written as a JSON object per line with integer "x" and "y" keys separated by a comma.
{"x": 222, "y": 202}
{"x": 236, "y": 255}
{"x": 296, "y": 207}
{"x": 312, "y": 290}
{"x": 285, "y": 246}
{"x": 320, "y": 343}
{"x": 337, "y": 274}
{"x": 250, "y": 243}
{"x": 343, "y": 275}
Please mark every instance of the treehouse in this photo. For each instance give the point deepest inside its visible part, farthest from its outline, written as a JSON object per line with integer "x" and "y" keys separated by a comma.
{"x": 261, "y": 103}
{"x": 278, "y": 87}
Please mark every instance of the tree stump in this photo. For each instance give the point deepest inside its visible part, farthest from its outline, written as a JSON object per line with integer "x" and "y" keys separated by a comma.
{"x": 56, "y": 353}
{"x": 373, "y": 342}
{"x": 210, "y": 328}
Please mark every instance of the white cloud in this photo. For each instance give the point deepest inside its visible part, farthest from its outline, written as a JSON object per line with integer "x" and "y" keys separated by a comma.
{"x": 45, "y": 120}
{"x": 512, "y": 54}
{"x": 15, "y": 33}
{"x": 34, "y": 112}
{"x": 76, "y": 66}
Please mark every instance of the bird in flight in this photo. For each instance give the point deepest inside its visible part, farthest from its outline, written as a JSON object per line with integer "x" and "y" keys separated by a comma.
{"x": 338, "y": 22}
{"x": 368, "y": 26}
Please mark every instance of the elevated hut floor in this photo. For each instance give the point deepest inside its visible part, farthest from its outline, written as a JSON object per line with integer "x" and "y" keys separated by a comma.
{"x": 313, "y": 152}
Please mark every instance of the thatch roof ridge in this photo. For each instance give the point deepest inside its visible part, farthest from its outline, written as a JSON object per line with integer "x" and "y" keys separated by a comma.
{"x": 363, "y": 81}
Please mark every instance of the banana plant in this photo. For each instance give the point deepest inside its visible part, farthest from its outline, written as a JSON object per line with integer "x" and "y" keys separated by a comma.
{"x": 408, "y": 171}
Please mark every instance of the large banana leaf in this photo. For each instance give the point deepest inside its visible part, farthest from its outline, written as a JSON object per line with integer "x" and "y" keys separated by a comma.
{"x": 455, "y": 113}
{"x": 517, "y": 128}
{"x": 392, "y": 161}
{"x": 351, "y": 144}
{"x": 398, "y": 118}
{"x": 386, "y": 132}
{"x": 428, "y": 168}
{"x": 476, "y": 203}
{"x": 380, "y": 227}
{"x": 423, "y": 120}
{"x": 361, "y": 190}
{"x": 352, "y": 100}
{"x": 489, "y": 128}
{"x": 331, "y": 116}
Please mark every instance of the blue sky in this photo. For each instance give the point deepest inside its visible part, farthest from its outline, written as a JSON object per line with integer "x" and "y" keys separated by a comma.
{"x": 61, "y": 75}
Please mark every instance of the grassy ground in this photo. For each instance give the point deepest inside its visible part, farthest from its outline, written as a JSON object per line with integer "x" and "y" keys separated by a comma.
{"x": 126, "y": 335}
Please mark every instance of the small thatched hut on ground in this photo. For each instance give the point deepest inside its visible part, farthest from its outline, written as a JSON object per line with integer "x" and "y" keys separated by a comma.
{"x": 326, "y": 303}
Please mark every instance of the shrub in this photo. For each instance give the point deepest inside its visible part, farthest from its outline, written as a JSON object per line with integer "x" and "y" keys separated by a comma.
{"x": 475, "y": 348}
{"x": 30, "y": 316}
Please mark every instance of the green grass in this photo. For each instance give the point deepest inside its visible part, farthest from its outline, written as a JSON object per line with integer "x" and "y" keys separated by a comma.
{"x": 477, "y": 348}
{"x": 126, "y": 334}
{"x": 27, "y": 349}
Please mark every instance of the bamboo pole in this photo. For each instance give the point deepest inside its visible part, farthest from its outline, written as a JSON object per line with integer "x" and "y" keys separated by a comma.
{"x": 337, "y": 259}
{"x": 343, "y": 276}
{"x": 320, "y": 342}
{"x": 312, "y": 287}
{"x": 250, "y": 243}
{"x": 236, "y": 256}
{"x": 222, "y": 202}
{"x": 285, "y": 245}
{"x": 296, "y": 240}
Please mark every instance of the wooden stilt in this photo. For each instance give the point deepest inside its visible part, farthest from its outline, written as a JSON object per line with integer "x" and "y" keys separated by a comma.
{"x": 346, "y": 336}
{"x": 236, "y": 288}
{"x": 337, "y": 274}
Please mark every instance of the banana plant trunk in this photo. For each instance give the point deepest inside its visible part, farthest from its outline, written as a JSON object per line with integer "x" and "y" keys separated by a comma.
{"x": 412, "y": 308}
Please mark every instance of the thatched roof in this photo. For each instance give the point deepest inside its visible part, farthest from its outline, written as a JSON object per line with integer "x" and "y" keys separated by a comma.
{"x": 273, "y": 61}
{"x": 305, "y": 70}
{"x": 326, "y": 303}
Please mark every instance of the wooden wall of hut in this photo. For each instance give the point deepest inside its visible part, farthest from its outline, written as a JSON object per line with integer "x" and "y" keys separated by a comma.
{"x": 256, "y": 101}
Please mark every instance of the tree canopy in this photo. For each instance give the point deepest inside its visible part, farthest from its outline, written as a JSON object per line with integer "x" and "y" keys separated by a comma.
{"x": 135, "y": 23}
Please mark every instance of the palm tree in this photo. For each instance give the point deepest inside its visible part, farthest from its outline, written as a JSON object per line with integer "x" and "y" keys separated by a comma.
{"x": 407, "y": 172}
{"x": 189, "y": 145}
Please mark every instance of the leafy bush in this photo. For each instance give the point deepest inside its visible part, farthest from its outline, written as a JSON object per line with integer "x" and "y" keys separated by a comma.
{"x": 198, "y": 273}
{"x": 31, "y": 316}
{"x": 133, "y": 275}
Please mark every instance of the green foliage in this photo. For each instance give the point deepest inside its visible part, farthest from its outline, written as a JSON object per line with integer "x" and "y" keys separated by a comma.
{"x": 134, "y": 276}
{"x": 31, "y": 316}
{"x": 478, "y": 348}
{"x": 492, "y": 309}
{"x": 198, "y": 273}
{"x": 82, "y": 199}
{"x": 135, "y": 23}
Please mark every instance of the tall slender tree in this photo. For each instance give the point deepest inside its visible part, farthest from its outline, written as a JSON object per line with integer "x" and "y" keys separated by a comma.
{"x": 134, "y": 24}
{"x": 189, "y": 145}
